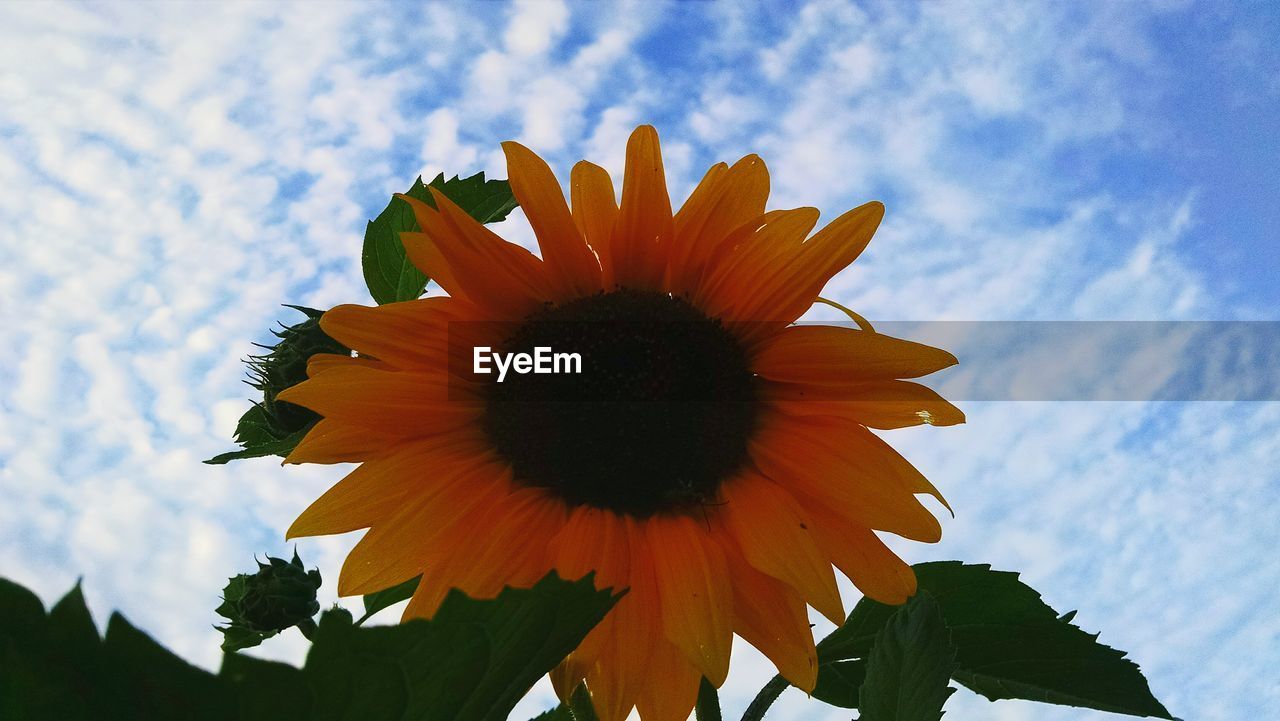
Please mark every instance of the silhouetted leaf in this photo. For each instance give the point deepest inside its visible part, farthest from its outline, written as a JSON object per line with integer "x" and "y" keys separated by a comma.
{"x": 909, "y": 666}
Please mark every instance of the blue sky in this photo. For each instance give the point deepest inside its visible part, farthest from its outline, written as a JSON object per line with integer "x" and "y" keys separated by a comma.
{"x": 172, "y": 174}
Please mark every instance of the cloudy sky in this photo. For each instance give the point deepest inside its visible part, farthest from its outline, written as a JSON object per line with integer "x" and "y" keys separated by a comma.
{"x": 171, "y": 173}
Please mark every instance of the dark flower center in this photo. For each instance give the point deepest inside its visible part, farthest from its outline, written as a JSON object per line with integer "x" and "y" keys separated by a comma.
{"x": 659, "y": 415}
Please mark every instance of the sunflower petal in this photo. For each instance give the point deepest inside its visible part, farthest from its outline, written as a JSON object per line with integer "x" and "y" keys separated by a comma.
{"x": 785, "y": 294}
{"x": 395, "y": 402}
{"x": 825, "y": 462}
{"x": 595, "y": 211}
{"x": 571, "y": 266}
{"x": 625, "y": 656}
{"x": 695, "y": 591}
{"x": 375, "y": 491}
{"x": 411, "y": 334}
{"x": 826, "y": 353}
{"x": 642, "y": 235}
{"x": 671, "y": 685}
{"x": 731, "y": 289}
{"x": 723, "y": 201}
{"x": 506, "y": 546}
{"x": 398, "y": 549}
{"x": 471, "y": 262}
{"x": 772, "y": 531}
{"x": 879, "y": 404}
{"x": 771, "y": 616}
{"x": 864, "y": 558}
{"x": 333, "y": 441}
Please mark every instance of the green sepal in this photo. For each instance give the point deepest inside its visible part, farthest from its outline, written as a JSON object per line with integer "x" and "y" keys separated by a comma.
{"x": 273, "y": 427}
{"x": 281, "y": 595}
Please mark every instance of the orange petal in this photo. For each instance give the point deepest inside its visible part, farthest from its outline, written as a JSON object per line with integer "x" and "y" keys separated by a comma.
{"x": 411, "y": 334}
{"x": 595, "y": 210}
{"x": 825, "y": 353}
{"x": 864, "y": 558}
{"x": 788, "y": 291}
{"x": 423, "y": 251}
{"x": 571, "y": 266}
{"x": 695, "y": 591}
{"x": 771, "y": 616}
{"x": 321, "y": 362}
{"x": 772, "y": 531}
{"x": 333, "y": 441}
{"x": 634, "y": 625}
{"x": 505, "y": 544}
{"x": 810, "y": 456}
{"x": 688, "y": 238}
{"x": 395, "y": 402}
{"x": 671, "y": 685}
{"x": 723, "y": 201}
{"x": 471, "y": 262}
{"x": 376, "y": 490}
{"x": 730, "y": 288}
{"x": 398, "y": 549}
{"x": 877, "y": 404}
{"x": 641, "y": 237}
{"x": 594, "y": 540}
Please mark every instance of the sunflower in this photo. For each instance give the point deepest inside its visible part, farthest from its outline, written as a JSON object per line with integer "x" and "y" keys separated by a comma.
{"x": 717, "y": 463}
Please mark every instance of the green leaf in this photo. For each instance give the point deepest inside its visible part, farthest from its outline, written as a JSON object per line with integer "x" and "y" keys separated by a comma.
{"x": 839, "y": 681}
{"x": 387, "y": 270}
{"x": 37, "y": 680}
{"x": 1009, "y": 643}
{"x": 580, "y": 706}
{"x": 474, "y": 660}
{"x": 559, "y": 713}
{"x": 909, "y": 666}
{"x": 268, "y": 690}
{"x": 374, "y": 602}
{"x": 158, "y": 684}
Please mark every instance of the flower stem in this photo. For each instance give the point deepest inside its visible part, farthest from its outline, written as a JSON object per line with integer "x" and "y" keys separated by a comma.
{"x": 708, "y": 708}
{"x": 765, "y": 699}
{"x": 307, "y": 627}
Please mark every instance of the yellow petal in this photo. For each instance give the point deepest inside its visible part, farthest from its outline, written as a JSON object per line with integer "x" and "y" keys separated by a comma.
{"x": 503, "y": 544}
{"x": 771, "y": 616}
{"x": 724, "y": 200}
{"x": 595, "y": 211}
{"x": 825, "y": 353}
{"x": 877, "y": 404}
{"x": 812, "y": 457}
{"x": 398, "y": 549}
{"x": 671, "y": 685}
{"x": 864, "y": 558}
{"x": 695, "y": 591}
{"x": 642, "y": 234}
{"x": 332, "y": 441}
{"x": 376, "y": 490}
{"x": 400, "y": 403}
{"x": 773, "y": 532}
{"x": 571, "y": 267}
{"x": 412, "y": 334}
